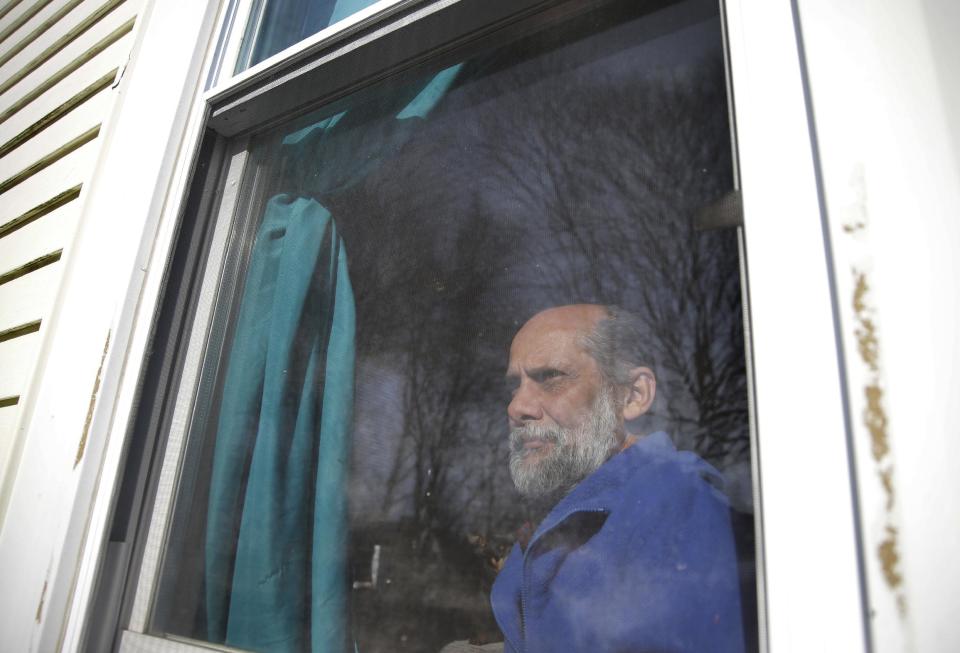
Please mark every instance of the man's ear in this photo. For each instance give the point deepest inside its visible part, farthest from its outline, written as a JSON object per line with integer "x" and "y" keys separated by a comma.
{"x": 642, "y": 390}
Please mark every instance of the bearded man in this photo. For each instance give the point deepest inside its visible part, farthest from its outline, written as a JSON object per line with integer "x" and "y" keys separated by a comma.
{"x": 636, "y": 551}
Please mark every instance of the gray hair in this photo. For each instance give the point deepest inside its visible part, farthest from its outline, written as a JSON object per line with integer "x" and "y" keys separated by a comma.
{"x": 617, "y": 344}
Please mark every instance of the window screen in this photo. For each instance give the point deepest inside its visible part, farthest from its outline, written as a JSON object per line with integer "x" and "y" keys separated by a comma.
{"x": 483, "y": 347}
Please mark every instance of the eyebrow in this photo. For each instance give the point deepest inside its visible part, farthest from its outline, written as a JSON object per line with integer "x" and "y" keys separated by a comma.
{"x": 512, "y": 377}
{"x": 544, "y": 369}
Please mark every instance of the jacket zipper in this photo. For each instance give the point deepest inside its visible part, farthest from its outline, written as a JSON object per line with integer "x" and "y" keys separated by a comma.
{"x": 523, "y": 604}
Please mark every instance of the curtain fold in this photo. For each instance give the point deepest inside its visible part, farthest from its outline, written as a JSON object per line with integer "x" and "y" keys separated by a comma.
{"x": 285, "y": 415}
{"x": 276, "y": 544}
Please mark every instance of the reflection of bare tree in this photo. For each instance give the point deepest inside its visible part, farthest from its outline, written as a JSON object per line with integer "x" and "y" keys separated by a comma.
{"x": 528, "y": 188}
{"x": 449, "y": 471}
{"x": 578, "y": 188}
{"x": 615, "y": 192}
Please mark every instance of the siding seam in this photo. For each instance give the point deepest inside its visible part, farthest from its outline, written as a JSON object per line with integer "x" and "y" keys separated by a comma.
{"x": 38, "y": 31}
{"x": 31, "y": 266}
{"x": 22, "y": 20}
{"x": 78, "y": 30}
{"x": 71, "y": 67}
{"x": 59, "y": 112}
{"x": 6, "y": 10}
{"x": 51, "y": 158}
{"x": 20, "y": 330}
{"x": 40, "y": 210}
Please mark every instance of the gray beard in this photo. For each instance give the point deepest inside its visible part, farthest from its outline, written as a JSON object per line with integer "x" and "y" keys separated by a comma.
{"x": 576, "y": 453}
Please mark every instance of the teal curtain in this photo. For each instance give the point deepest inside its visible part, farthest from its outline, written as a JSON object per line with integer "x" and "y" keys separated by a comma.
{"x": 276, "y": 529}
{"x": 277, "y": 525}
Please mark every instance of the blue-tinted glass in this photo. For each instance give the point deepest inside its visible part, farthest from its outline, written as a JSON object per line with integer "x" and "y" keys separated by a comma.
{"x": 278, "y": 24}
{"x": 366, "y": 478}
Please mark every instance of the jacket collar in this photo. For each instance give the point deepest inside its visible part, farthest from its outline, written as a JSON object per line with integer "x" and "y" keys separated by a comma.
{"x": 603, "y": 489}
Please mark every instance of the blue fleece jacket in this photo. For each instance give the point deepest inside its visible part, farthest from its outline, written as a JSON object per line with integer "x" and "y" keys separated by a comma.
{"x": 638, "y": 557}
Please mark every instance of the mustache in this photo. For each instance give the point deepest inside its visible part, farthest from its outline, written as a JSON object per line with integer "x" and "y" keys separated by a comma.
{"x": 520, "y": 435}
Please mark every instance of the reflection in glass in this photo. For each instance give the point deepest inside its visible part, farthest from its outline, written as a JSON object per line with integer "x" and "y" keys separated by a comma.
{"x": 355, "y": 456}
{"x": 278, "y": 24}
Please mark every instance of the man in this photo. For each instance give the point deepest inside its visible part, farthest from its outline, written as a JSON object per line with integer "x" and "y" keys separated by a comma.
{"x": 636, "y": 552}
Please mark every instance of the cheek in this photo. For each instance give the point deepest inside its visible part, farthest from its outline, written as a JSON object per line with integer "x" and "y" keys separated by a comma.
{"x": 570, "y": 409}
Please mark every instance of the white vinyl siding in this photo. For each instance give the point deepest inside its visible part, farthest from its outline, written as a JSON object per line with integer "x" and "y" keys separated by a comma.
{"x": 16, "y": 355}
{"x": 58, "y": 63}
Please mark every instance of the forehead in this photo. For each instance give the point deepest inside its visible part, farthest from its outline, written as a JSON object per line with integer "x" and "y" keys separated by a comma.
{"x": 551, "y": 339}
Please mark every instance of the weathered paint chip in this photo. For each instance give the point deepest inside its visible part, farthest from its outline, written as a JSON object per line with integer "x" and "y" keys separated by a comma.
{"x": 43, "y": 595}
{"x": 890, "y": 558}
{"x": 876, "y": 422}
{"x": 93, "y": 402}
{"x": 866, "y": 332}
{"x": 875, "y": 419}
{"x": 886, "y": 478}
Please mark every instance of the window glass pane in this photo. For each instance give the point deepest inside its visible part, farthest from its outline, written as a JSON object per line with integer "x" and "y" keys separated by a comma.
{"x": 485, "y": 353}
{"x": 278, "y": 24}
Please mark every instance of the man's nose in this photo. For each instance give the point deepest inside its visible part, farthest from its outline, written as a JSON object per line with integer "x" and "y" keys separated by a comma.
{"x": 524, "y": 406}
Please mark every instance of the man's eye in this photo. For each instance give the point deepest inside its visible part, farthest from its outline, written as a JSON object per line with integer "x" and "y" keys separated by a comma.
{"x": 547, "y": 375}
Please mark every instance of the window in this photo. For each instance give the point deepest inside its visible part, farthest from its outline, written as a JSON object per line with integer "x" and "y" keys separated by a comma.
{"x": 276, "y": 24}
{"x": 378, "y": 224}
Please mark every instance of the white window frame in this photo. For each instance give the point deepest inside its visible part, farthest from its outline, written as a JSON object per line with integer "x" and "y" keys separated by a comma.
{"x": 809, "y": 563}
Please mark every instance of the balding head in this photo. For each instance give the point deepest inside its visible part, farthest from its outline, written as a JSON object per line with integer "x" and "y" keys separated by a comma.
{"x": 579, "y": 319}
